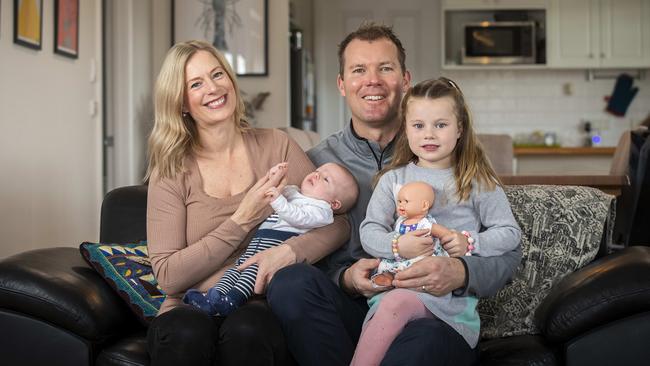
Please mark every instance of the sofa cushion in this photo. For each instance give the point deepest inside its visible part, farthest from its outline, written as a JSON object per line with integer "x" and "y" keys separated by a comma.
{"x": 126, "y": 267}
{"x": 127, "y": 351}
{"x": 525, "y": 350}
{"x": 562, "y": 227}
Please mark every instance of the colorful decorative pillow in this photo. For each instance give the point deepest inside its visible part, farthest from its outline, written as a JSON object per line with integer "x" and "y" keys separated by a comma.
{"x": 561, "y": 227}
{"x": 126, "y": 267}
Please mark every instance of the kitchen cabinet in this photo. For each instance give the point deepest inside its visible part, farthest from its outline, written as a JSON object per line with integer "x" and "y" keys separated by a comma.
{"x": 598, "y": 33}
{"x": 493, "y": 4}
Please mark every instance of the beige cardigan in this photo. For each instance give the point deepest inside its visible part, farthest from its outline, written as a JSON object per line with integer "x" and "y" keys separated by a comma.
{"x": 191, "y": 239}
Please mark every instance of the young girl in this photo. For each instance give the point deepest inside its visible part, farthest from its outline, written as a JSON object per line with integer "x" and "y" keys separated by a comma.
{"x": 436, "y": 145}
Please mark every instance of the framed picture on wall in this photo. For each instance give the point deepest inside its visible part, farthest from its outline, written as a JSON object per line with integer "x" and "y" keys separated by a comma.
{"x": 28, "y": 23}
{"x": 237, "y": 28}
{"x": 66, "y": 28}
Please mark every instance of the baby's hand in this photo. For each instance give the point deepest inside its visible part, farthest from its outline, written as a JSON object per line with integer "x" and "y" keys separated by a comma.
{"x": 455, "y": 244}
{"x": 279, "y": 169}
{"x": 272, "y": 193}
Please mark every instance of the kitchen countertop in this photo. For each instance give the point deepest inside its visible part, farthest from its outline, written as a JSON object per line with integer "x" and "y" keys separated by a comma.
{"x": 519, "y": 151}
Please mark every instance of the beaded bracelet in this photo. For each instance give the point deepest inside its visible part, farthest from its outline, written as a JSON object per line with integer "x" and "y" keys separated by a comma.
{"x": 470, "y": 241}
{"x": 395, "y": 247}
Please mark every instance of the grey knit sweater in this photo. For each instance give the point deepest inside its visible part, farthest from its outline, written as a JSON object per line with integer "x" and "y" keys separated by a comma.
{"x": 486, "y": 215}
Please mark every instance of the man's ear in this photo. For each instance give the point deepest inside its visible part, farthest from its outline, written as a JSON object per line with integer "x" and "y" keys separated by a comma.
{"x": 339, "y": 84}
{"x": 336, "y": 204}
{"x": 406, "y": 81}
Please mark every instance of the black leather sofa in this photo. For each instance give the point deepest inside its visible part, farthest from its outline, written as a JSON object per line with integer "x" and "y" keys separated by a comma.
{"x": 56, "y": 310}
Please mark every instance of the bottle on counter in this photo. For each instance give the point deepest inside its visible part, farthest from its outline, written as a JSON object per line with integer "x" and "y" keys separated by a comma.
{"x": 592, "y": 137}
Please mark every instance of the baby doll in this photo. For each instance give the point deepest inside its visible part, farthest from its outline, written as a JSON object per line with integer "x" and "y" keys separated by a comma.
{"x": 414, "y": 200}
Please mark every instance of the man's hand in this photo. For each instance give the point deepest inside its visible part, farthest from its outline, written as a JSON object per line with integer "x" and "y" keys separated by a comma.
{"x": 269, "y": 261}
{"x": 356, "y": 279}
{"x": 438, "y": 275}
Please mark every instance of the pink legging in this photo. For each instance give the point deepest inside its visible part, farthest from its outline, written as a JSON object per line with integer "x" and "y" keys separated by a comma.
{"x": 396, "y": 308}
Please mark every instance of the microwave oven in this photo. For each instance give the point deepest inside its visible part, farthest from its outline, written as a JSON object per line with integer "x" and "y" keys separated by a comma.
{"x": 500, "y": 43}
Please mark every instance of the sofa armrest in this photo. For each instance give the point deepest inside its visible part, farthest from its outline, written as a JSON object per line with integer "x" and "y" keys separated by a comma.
{"x": 611, "y": 288}
{"x": 57, "y": 286}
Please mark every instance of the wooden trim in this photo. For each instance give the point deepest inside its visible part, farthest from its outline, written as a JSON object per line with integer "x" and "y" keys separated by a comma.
{"x": 564, "y": 150}
{"x": 612, "y": 184}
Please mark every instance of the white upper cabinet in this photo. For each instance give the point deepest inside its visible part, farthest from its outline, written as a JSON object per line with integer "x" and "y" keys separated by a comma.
{"x": 625, "y": 33}
{"x": 493, "y": 4}
{"x": 598, "y": 33}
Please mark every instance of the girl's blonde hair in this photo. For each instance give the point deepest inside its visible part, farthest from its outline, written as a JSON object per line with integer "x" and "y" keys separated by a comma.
{"x": 468, "y": 156}
{"x": 174, "y": 133}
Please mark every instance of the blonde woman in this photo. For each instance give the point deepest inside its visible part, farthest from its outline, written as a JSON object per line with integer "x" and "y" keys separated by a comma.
{"x": 207, "y": 182}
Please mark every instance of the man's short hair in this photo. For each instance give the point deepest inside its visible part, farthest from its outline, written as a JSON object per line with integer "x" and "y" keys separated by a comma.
{"x": 369, "y": 31}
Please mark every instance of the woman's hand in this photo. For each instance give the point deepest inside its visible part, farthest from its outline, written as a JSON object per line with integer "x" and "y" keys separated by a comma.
{"x": 455, "y": 243}
{"x": 435, "y": 275}
{"x": 255, "y": 205}
{"x": 269, "y": 261}
{"x": 415, "y": 243}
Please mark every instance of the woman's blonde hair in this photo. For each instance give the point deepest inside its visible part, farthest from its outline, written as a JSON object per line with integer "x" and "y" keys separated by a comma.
{"x": 174, "y": 133}
{"x": 468, "y": 157}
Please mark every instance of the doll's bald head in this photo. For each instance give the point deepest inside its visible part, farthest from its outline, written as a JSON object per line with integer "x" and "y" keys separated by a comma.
{"x": 415, "y": 199}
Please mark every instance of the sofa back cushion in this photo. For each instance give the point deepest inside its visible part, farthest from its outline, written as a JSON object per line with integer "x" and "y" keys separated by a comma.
{"x": 562, "y": 227}
{"x": 124, "y": 215}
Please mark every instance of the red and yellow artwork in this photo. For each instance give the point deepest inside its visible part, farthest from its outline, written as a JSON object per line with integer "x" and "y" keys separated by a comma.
{"x": 67, "y": 27}
{"x": 28, "y": 22}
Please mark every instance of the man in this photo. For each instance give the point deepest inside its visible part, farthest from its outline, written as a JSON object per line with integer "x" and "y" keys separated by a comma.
{"x": 322, "y": 319}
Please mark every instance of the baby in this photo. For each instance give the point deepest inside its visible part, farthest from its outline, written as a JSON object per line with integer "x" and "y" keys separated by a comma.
{"x": 328, "y": 190}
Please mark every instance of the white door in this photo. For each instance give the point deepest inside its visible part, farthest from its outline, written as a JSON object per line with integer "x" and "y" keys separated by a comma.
{"x": 416, "y": 23}
{"x": 129, "y": 104}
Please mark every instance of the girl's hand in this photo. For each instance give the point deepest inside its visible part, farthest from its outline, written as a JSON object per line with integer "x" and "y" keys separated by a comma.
{"x": 454, "y": 243}
{"x": 269, "y": 261}
{"x": 415, "y": 243}
{"x": 255, "y": 205}
{"x": 439, "y": 231}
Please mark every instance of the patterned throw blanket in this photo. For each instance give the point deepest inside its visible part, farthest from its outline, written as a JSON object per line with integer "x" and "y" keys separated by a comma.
{"x": 562, "y": 228}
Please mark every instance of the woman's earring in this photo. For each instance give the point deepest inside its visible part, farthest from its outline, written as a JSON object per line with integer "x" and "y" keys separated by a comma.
{"x": 185, "y": 114}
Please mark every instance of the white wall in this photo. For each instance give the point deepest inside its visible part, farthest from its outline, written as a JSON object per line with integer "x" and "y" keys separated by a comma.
{"x": 50, "y": 145}
{"x": 520, "y": 102}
